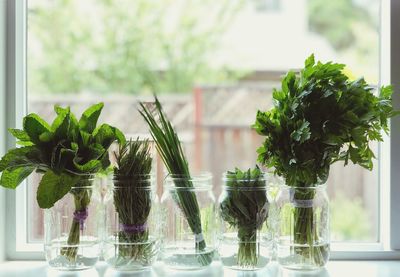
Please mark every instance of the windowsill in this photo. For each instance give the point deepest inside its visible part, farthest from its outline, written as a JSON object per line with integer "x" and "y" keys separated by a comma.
{"x": 333, "y": 269}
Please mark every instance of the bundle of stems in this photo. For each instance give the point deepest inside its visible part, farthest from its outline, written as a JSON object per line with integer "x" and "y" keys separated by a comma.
{"x": 245, "y": 207}
{"x": 170, "y": 150}
{"x": 305, "y": 230}
{"x": 81, "y": 202}
{"x": 132, "y": 199}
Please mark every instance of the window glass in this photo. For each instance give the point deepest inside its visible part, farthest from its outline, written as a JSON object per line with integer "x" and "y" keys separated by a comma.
{"x": 213, "y": 65}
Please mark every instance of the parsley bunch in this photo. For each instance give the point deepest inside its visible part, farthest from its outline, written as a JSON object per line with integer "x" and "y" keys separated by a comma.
{"x": 321, "y": 117}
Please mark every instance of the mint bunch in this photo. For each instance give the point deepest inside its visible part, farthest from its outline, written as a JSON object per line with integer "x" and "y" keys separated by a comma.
{"x": 65, "y": 152}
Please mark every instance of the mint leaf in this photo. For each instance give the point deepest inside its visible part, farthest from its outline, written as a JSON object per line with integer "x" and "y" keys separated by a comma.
{"x": 89, "y": 167}
{"x": 89, "y": 118}
{"x": 34, "y": 126}
{"x": 106, "y": 135}
{"x": 17, "y": 157}
{"x": 19, "y": 134}
{"x": 61, "y": 124}
{"x": 53, "y": 187}
{"x": 11, "y": 178}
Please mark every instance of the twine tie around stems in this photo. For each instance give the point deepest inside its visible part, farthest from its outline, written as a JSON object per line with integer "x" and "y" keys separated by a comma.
{"x": 132, "y": 228}
{"x": 300, "y": 203}
{"x": 80, "y": 216}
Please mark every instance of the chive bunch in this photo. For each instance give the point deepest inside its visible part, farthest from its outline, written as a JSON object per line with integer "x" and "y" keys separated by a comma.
{"x": 170, "y": 150}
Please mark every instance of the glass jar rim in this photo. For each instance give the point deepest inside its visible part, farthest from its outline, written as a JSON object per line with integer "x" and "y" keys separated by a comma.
{"x": 203, "y": 176}
{"x": 140, "y": 177}
{"x": 199, "y": 181}
{"x": 245, "y": 188}
{"x": 149, "y": 187}
{"x": 315, "y": 187}
{"x": 263, "y": 177}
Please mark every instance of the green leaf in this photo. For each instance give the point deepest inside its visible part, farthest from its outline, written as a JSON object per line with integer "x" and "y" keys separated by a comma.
{"x": 46, "y": 136}
{"x": 310, "y": 61}
{"x": 17, "y": 157}
{"x": 89, "y": 118}
{"x": 53, "y": 187}
{"x": 11, "y": 178}
{"x": 106, "y": 135}
{"x": 90, "y": 166}
{"x": 61, "y": 123}
{"x": 19, "y": 134}
{"x": 34, "y": 126}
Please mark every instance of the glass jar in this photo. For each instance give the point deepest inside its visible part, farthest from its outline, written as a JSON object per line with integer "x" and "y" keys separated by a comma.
{"x": 243, "y": 210}
{"x": 72, "y": 226}
{"x": 304, "y": 227}
{"x": 189, "y": 234}
{"x": 132, "y": 240}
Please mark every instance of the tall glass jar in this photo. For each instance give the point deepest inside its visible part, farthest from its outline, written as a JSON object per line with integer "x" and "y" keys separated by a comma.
{"x": 243, "y": 210}
{"x": 304, "y": 227}
{"x": 189, "y": 236}
{"x": 132, "y": 240}
{"x": 71, "y": 228}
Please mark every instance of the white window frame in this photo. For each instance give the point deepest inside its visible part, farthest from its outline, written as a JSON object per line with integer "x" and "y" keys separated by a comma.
{"x": 13, "y": 108}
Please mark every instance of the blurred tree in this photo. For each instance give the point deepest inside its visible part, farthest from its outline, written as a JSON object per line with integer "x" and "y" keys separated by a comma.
{"x": 336, "y": 20}
{"x": 349, "y": 219}
{"x": 125, "y": 46}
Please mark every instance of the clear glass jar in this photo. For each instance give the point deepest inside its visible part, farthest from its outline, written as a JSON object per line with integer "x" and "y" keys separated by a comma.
{"x": 304, "y": 227}
{"x": 189, "y": 234}
{"x": 132, "y": 240}
{"x": 72, "y": 238}
{"x": 243, "y": 211}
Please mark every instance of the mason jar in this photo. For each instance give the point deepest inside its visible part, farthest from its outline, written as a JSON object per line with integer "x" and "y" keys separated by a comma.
{"x": 189, "y": 235}
{"x": 132, "y": 239}
{"x": 303, "y": 227}
{"x": 72, "y": 239}
{"x": 243, "y": 210}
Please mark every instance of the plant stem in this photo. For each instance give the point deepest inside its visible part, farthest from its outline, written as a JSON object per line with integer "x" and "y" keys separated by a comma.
{"x": 247, "y": 253}
{"x": 187, "y": 201}
{"x": 305, "y": 233}
{"x": 81, "y": 201}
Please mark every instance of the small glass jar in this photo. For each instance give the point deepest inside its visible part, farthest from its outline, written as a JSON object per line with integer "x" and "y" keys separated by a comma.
{"x": 303, "y": 242}
{"x": 71, "y": 228}
{"x": 189, "y": 234}
{"x": 132, "y": 240}
{"x": 243, "y": 210}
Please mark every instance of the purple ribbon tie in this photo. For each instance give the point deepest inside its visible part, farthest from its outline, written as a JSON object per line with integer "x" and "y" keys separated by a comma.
{"x": 128, "y": 228}
{"x": 80, "y": 216}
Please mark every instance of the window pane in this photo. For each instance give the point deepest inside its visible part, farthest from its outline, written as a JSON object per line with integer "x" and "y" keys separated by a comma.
{"x": 213, "y": 65}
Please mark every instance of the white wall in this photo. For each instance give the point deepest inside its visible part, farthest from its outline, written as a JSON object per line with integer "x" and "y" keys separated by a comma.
{"x": 2, "y": 120}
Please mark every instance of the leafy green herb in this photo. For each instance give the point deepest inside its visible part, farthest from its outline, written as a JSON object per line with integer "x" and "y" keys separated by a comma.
{"x": 245, "y": 207}
{"x": 67, "y": 151}
{"x": 170, "y": 150}
{"x": 319, "y": 117}
{"x": 132, "y": 200}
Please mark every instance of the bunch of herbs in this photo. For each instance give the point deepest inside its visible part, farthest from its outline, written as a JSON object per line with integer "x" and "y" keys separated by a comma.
{"x": 320, "y": 117}
{"x": 245, "y": 207}
{"x": 67, "y": 152}
{"x": 132, "y": 200}
{"x": 170, "y": 149}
